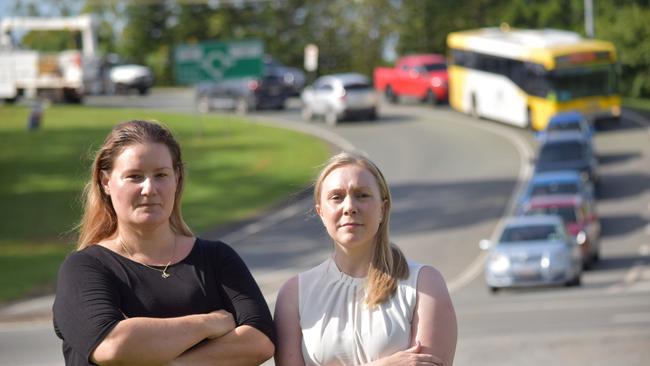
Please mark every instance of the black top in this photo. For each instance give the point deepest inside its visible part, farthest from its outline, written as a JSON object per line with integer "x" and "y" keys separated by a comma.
{"x": 97, "y": 288}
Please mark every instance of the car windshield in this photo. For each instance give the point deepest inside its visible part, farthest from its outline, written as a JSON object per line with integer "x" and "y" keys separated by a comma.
{"x": 560, "y": 151}
{"x": 435, "y": 67}
{"x": 358, "y": 86}
{"x": 554, "y": 188}
{"x": 568, "y": 213}
{"x": 564, "y": 126}
{"x": 529, "y": 233}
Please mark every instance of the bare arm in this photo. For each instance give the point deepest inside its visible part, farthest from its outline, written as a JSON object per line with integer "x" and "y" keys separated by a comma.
{"x": 154, "y": 341}
{"x": 287, "y": 325}
{"x": 434, "y": 332}
{"x": 434, "y": 322}
{"x": 243, "y": 346}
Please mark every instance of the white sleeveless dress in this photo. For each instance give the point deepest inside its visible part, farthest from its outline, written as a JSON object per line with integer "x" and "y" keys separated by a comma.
{"x": 337, "y": 326}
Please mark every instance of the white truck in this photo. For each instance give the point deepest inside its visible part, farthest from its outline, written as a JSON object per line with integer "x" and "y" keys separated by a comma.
{"x": 63, "y": 76}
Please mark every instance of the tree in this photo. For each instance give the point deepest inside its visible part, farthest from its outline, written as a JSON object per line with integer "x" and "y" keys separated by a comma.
{"x": 626, "y": 25}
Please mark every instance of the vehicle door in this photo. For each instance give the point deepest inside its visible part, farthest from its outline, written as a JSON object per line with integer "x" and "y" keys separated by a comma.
{"x": 404, "y": 83}
{"x": 421, "y": 81}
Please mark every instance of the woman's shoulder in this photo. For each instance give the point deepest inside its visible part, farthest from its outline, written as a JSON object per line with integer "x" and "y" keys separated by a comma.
{"x": 430, "y": 280}
{"x": 317, "y": 272}
{"x": 89, "y": 258}
{"x": 422, "y": 274}
{"x": 217, "y": 247}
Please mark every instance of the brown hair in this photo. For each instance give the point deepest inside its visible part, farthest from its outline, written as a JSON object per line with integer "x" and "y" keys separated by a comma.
{"x": 388, "y": 264}
{"x": 99, "y": 220}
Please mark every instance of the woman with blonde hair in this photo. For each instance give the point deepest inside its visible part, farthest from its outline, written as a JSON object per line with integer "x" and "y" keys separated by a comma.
{"x": 367, "y": 304}
{"x": 141, "y": 289}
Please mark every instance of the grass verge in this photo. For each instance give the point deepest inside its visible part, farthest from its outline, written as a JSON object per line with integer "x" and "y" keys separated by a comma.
{"x": 637, "y": 103}
{"x": 235, "y": 169}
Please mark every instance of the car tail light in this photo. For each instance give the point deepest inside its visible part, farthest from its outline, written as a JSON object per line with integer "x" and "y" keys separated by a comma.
{"x": 76, "y": 60}
{"x": 253, "y": 85}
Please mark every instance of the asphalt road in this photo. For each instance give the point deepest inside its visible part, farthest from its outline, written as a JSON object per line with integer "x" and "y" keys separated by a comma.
{"x": 452, "y": 180}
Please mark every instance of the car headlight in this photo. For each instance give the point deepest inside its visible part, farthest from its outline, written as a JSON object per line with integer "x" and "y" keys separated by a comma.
{"x": 436, "y": 82}
{"x": 581, "y": 237}
{"x": 545, "y": 262}
{"x": 499, "y": 262}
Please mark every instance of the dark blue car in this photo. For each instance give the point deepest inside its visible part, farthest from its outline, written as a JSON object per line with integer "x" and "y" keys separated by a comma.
{"x": 567, "y": 151}
{"x": 568, "y": 121}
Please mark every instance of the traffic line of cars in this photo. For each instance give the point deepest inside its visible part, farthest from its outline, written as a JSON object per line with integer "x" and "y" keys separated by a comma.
{"x": 555, "y": 231}
{"x": 332, "y": 98}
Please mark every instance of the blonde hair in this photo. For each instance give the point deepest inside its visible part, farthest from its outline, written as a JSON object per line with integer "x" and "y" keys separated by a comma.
{"x": 388, "y": 264}
{"x": 99, "y": 220}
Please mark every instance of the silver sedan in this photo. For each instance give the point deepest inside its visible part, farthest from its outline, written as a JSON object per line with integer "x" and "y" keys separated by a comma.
{"x": 532, "y": 251}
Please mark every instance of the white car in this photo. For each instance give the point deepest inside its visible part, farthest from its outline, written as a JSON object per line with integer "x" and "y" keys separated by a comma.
{"x": 131, "y": 76}
{"x": 339, "y": 96}
{"x": 532, "y": 251}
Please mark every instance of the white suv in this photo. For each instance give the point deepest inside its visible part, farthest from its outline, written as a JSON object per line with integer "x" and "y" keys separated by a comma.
{"x": 340, "y": 96}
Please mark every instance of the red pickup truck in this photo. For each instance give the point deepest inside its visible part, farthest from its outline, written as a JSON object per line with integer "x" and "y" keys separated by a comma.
{"x": 420, "y": 76}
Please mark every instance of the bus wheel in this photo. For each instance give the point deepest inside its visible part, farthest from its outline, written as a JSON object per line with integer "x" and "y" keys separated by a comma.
{"x": 529, "y": 119}
{"x": 474, "y": 107}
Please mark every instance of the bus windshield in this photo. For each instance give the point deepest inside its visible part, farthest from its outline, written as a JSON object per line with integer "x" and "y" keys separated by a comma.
{"x": 581, "y": 82}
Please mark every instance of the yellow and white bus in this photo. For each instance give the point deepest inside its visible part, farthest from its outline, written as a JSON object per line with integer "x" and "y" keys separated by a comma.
{"x": 523, "y": 77}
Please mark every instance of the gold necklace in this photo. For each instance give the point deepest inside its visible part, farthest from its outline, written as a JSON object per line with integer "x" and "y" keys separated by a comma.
{"x": 163, "y": 271}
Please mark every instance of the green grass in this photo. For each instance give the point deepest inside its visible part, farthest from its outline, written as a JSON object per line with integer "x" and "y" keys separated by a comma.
{"x": 637, "y": 103}
{"x": 235, "y": 169}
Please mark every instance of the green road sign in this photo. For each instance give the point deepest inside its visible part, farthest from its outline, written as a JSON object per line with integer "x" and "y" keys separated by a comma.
{"x": 217, "y": 60}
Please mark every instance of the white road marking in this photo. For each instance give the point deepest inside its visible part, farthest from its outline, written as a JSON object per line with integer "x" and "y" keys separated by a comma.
{"x": 264, "y": 223}
{"x": 525, "y": 171}
{"x": 644, "y": 250}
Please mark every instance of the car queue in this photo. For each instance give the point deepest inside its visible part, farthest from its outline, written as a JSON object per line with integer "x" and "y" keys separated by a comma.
{"x": 562, "y": 188}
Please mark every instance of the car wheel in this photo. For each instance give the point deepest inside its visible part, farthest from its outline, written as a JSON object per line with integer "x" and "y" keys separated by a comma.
{"x": 331, "y": 119}
{"x": 595, "y": 257}
{"x": 391, "y": 96}
{"x": 431, "y": 98}
{"x": 143, "y": 90}
{"x": 307, "y": 113}
{"x": 493, "y": 290}
{"x": 575, "y": 282}
{"x": 241, "y": 107}
{"x": 372, "y": 115}
{"x": 203, "y": 104}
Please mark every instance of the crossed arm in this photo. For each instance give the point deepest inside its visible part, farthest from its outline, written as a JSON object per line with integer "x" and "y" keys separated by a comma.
{"x": 434, "y": 330}
{"x": 194, "y": 339}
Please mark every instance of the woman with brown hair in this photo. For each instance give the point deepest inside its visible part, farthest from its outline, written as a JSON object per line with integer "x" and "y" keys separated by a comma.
{"x": 367, "y": 304}
{"x": 141, "y": 289}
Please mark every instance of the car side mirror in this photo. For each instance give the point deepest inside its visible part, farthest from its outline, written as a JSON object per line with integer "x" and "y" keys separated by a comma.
{"x": 484, "y": 244}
